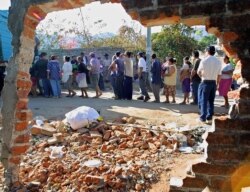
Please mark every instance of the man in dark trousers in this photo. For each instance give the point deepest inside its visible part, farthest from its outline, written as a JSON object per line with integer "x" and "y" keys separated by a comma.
{"x": 40, "y": 71}
{"x": 195, "y": 79}
{"x": 119, "y": 81}
{"x": 156, "y": 78}
{"x": 210, "y": 73}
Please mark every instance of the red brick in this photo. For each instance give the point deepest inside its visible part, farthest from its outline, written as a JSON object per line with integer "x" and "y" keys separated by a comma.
{"x": 23, "y": 83}
{"x": 228, "y": 37}
{"x": 94, "y": 179}
{"x": 22, "y": 74}
{"x": 195, "y": 183}
{"x": 245, "y": 140}
{"x": 176, "y": 189}
{"x": 23, "y": 93}
{"x": 28, "y": 32}
{"x": 24, "y": 115}
{"x": 232, "y": 125}
{"x": 22, "y": 138}
{"x": 222, "y": 138}
{"x": 22, "y": 104}
{"x": 31, "y": 23}
{"x": 226, "y": 154}
{"x": 36, "y": 13}
{"x": 221, "y": 184}
{"x": 209, "y": 169}
{"x": 245, "y": 94}
{"x": 19, "y": 150}
{"x": 15, "y": 160}
{"x": 37, "y": 130}
{"x": 21, "y": 125}
{"x": 244, "y": 107}
{"x": 63, "y": 4}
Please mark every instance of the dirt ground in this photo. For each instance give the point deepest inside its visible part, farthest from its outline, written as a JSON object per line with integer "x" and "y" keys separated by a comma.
{"x": 146, "y": 113}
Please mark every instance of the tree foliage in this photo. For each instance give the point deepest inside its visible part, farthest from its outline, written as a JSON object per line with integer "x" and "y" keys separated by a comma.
{"x": 206, "y": 41}
{"x": 127, "y": 38}
{"x": 54, "y": 35}
{"x": 175, "y": 41}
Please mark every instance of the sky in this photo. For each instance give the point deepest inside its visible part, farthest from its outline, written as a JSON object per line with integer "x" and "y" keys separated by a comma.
{"x": 99, "y": 18}
{"x": 4, "y": 4}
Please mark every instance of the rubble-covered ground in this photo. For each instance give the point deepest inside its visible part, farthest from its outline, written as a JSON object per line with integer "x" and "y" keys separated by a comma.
{"x": 119, "y": 156}
{"x": 130, "y": 154}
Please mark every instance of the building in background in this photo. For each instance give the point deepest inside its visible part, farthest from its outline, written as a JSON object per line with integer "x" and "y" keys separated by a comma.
{"x": 5, "y": 37}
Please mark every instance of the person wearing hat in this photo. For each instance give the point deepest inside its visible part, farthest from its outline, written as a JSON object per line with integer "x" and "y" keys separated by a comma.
{"x": 210, "y": 72}
{"x": 142, "y": 74}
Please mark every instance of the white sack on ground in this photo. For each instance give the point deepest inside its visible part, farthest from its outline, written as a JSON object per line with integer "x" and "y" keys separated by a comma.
{"x": 81, "y": 117}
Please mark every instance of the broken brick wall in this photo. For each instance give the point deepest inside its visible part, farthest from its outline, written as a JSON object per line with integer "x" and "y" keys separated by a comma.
{"x": 227, "y": 19}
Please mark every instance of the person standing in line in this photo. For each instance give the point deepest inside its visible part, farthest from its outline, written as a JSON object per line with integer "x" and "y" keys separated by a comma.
{"x": 210, "y": 73}
{"x": 170, "y": 80}
{"x": 54, "y": 76}
{"x": 101, "y": 77}
{"x": 74, "y": 64}
{"x": 85, "y": 59}
{"x": 226, "y": 80}
{"x": 142, "y": 75}
{"x": 112, "y": 77}
{"x": 40, "y": 70}
{"x": 119, "y": 64}
{"x": 128, "y": 80}
{"x": 148, "y": 84}
{"x": 156, "y": 78}
{"x": 106, "y": 63}
{"x": 95, "y": 73}
{"x": 185, "y": 74}
{"x": 67, "y": 77}
{"x": 81, "y": 77}
{"x": 195, "y": 79}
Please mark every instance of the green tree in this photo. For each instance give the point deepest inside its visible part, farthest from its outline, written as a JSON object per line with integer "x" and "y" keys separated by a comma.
{"x": 175, "y": 41}
{"x": 127, "y": 38}
{"x": 206, "y": 41}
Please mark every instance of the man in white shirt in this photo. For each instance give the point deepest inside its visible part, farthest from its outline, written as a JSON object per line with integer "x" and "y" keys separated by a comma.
{"x": 210, "y": 72}
{"x": 142, "y": 74}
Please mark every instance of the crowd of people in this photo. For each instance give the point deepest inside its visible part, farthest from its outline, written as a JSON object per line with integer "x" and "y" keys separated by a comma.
{"x": 201, "y": 77}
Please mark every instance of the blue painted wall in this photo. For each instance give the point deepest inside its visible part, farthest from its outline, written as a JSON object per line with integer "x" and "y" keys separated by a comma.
{"x": 5, "y": 35}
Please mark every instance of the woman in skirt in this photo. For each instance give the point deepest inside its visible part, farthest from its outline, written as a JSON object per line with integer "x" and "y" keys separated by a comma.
{"x": 82, "y": 77}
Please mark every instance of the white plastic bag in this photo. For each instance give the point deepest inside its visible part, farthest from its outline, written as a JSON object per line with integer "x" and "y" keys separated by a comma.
{"x": 81, "y": 117}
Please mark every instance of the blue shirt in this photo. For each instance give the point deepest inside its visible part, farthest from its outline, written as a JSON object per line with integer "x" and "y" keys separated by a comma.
{"x": 54, "y": 70}
{"x": 156, "y": 72}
